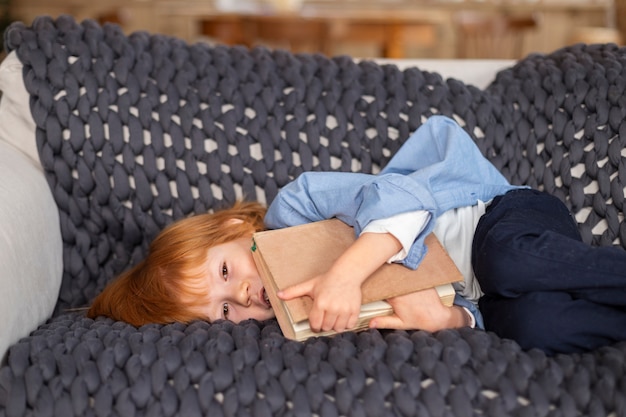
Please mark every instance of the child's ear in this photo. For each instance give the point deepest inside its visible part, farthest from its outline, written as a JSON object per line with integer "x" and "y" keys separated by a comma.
{"x": 233, "y": 221}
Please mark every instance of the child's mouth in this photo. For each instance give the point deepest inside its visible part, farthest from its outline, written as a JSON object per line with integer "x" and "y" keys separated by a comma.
{"x": 266, "y": 299}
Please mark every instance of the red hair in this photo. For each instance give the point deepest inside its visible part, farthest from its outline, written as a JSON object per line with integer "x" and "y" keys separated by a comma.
{"x": 163, "y": 287}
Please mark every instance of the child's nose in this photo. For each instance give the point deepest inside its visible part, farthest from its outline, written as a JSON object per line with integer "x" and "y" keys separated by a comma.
{"x": 243, "y": 294}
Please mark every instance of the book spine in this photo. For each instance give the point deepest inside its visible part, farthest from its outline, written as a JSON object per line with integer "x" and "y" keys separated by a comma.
{"x": 280, "y": 311}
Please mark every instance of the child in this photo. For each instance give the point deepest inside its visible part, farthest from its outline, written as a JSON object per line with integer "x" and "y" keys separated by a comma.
{"x": 518, "y": 249}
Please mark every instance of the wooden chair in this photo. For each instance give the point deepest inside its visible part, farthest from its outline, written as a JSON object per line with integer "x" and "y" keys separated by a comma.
{"x": 492, "y": 36}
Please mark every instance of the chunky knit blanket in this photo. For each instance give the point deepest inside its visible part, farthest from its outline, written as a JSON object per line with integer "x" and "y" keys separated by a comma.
{"x": 137, "y": 131}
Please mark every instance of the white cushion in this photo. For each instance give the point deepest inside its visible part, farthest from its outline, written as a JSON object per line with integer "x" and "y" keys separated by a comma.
{"x": 17, "y": 126}
{"x": 31, "y": 261}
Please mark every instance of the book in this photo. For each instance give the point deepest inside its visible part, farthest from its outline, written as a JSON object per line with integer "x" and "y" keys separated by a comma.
{"x": 287, "y": 256}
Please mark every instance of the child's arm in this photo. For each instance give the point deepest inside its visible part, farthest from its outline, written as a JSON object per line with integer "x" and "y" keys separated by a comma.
{"x": 337, "y": 293}
{"x": 422, "y": 310}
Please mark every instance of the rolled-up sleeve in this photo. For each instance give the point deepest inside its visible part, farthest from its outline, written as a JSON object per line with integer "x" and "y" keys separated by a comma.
{"x": 472, "y": 308}
{"x": 404, "y": 227}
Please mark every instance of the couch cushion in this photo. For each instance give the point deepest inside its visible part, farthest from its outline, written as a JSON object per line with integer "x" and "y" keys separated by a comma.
{"x": 31, "y": 260}
{"x": 17, "y": 126}
{"x": 31, "y": 263}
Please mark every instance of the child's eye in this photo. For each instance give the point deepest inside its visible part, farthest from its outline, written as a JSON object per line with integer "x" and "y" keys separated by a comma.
{"x": 225, "y": 310}
{"x": 224, "y": 271}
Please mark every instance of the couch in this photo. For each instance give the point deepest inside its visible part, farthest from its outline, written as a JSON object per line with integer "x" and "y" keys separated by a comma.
{"x": 106, "y": 138}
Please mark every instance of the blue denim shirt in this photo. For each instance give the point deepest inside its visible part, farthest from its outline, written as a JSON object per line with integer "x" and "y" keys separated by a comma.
{"x": 438, "y": 168}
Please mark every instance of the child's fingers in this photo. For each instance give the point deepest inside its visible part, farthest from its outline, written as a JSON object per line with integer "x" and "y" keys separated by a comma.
{"x": 345, "y": 322}
{"x": 316, "y": 320}
{"x": 387, "y": 322}
{"x": 298, "y": 290}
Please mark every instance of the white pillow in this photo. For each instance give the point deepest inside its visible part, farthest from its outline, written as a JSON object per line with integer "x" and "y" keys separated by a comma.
{"x": 31, "y": 260}
{"x": 17, "y": 126}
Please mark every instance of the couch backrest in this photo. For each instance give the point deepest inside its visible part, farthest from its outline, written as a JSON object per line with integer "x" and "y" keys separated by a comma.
{"x": 568, "y": 132}
{"x": 136, "y": 131}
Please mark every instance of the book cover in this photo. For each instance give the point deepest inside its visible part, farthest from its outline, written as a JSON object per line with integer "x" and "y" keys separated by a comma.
{"x": 285, "y": 257}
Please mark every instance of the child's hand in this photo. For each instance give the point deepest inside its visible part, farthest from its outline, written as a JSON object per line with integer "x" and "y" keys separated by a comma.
{"x": 421, "y": 310}
{"x": 336, "y": 294}
{"x": 336, "y": 302}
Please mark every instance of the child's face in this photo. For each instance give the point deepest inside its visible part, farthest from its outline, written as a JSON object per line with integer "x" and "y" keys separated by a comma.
{"x": 234, "y": 286}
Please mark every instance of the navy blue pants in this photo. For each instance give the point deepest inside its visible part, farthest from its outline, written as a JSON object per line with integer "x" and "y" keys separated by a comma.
{"x": 543, "y": 287}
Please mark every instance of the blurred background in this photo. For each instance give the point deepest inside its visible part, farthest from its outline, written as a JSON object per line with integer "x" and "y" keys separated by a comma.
{"x": 413, "y": 29}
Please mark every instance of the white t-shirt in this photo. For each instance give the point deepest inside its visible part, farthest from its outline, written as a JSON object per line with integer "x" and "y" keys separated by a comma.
{"x": 454, "y": 229}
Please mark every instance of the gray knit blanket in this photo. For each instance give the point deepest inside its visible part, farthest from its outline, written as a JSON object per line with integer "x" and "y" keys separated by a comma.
{"x": 136, "y": 131}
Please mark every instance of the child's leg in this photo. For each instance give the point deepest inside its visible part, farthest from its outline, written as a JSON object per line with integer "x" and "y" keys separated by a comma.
{"x": 527, "y": 241}
{"x": 553, "y": 321}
